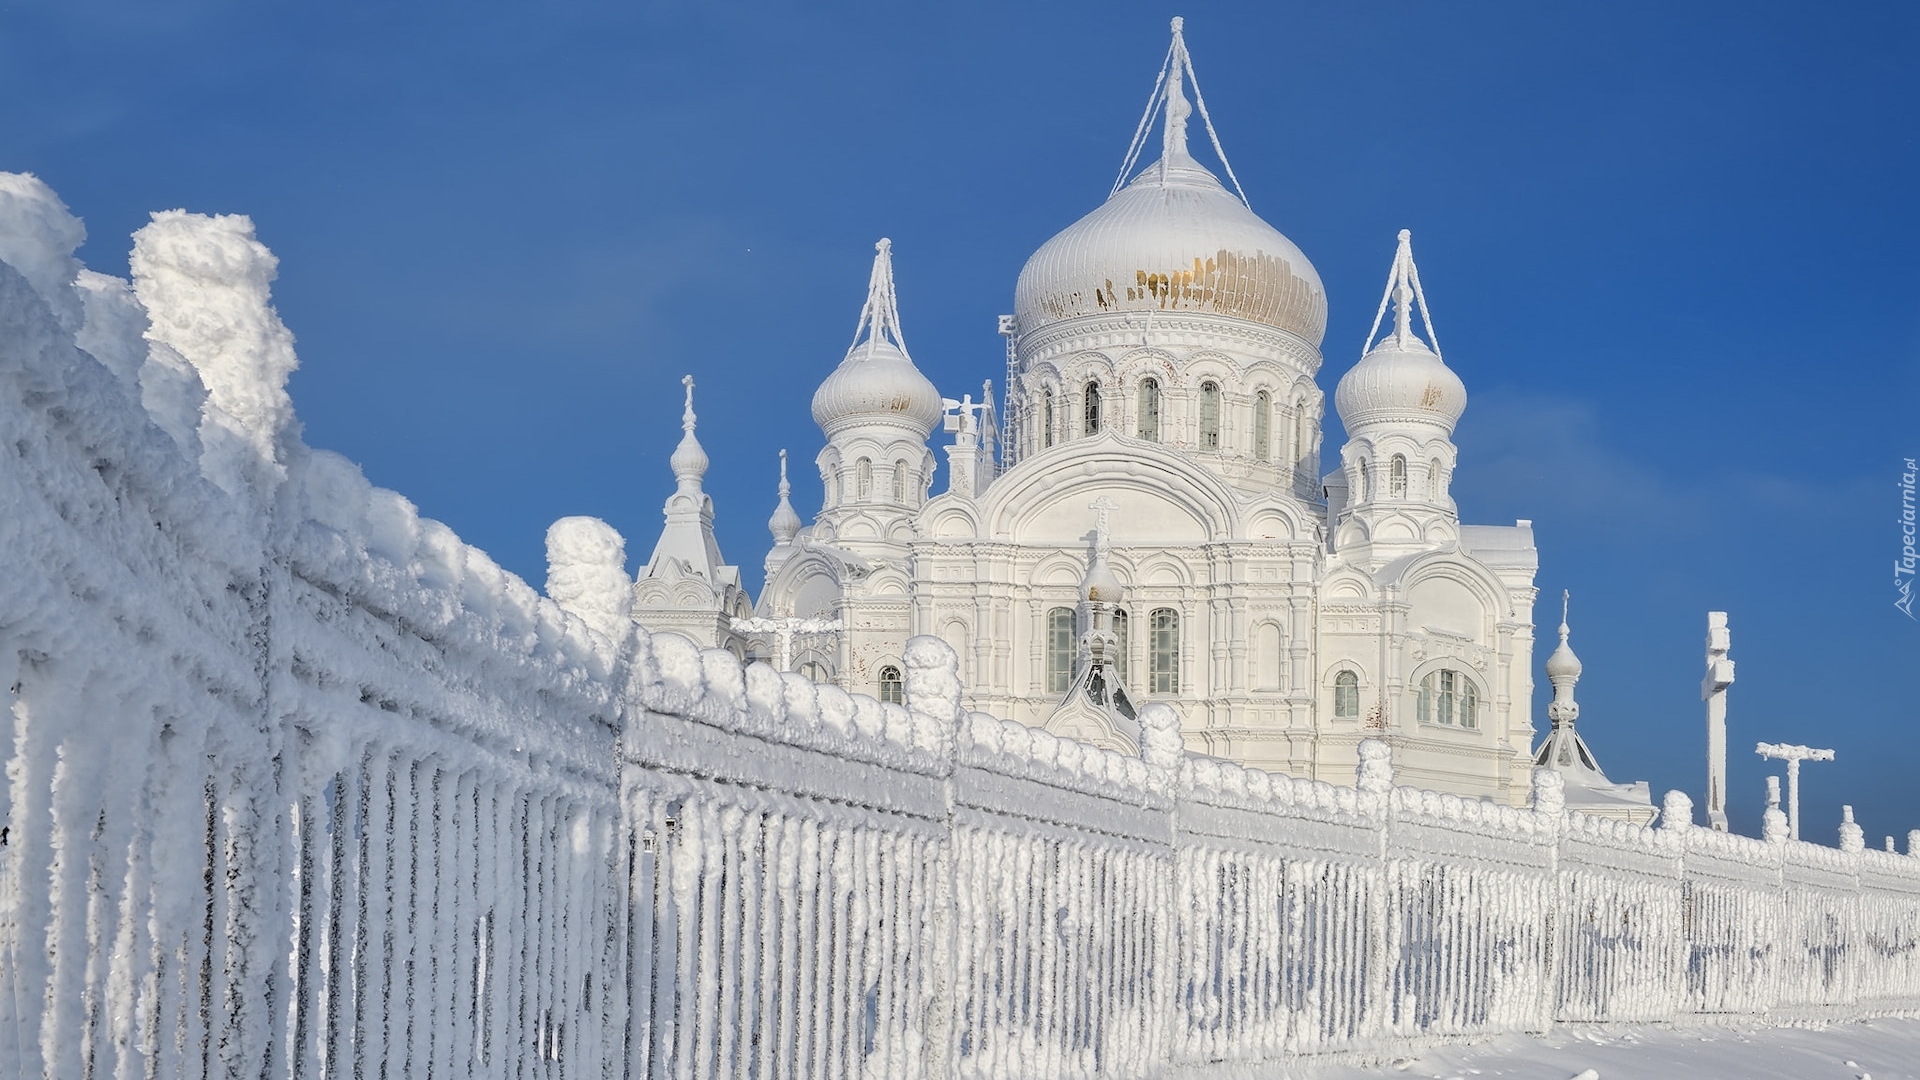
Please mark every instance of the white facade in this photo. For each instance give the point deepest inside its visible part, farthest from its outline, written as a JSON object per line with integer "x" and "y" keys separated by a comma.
{"x": 1164, "y": 356}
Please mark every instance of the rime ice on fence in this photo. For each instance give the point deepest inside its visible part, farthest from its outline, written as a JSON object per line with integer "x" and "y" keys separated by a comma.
{"x": 299, "y": 784}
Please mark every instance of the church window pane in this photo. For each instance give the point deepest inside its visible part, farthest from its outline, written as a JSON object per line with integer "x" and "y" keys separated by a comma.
{"x": 1433, "y": 480}
{"x": 1163, "y": 665}
{"x": 893, "y": 689}
{"x": 1397, "y": 477}
{"x": 1090, "y": 407}
{"x": 1262, "y": 425}
{"x": 1423, "y": 705}
{"x": 1123, "y": 659}
{"x": 1360, "y": 481}
{"x": 900, "y": 482}
{"x": 1209, "y": 416}
{"x": 1046, "y": 418}
{"x": 1469, "y": 704}
{"x": 1150, "y": 410}
{"x": 1443, "y": 701}
{"x": 863, "y": 479}
{"x": 1346, "y": 696}
{"x": 1299, "y": 432}
{"x": 1059, "y": 649}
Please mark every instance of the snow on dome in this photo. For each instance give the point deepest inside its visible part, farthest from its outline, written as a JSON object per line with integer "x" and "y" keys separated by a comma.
{"x": 1402, "y": 379}
{"x": 1174, "y": 239}
{"x": 877, "y": 382}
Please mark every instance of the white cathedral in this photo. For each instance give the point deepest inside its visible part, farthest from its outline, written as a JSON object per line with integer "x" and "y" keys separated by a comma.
{"x": 1146, "y": 519}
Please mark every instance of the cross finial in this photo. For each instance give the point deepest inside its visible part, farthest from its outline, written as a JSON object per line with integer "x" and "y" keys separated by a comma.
{"x": 687, "y": 417}
{"x": 1102, "y": 508}
{"x": 880, "y": 317}
{"x": 1403, "y": 292}
{"x": 1174, "y": 135}
{"x": 1566, "y": 596}
{"x": 785, "y": 488}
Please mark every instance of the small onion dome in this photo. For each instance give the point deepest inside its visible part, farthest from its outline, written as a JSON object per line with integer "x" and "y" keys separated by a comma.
{"x": 1563, "y": 664}
{"x": 1101, "y": 585}
{"x": 1173, "y": 240}
{"x": 1400, "y": 380}
{"x": 876, "y": 383}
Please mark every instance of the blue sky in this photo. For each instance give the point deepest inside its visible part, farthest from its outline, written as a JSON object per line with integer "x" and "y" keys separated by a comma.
{"x": 1669, "y": 247}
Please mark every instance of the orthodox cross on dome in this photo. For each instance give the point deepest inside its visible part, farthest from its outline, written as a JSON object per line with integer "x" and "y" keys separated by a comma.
{"x": 689, "y": 460}
{"x": 880, "y": 316}
{"x": 1102, "y": 508}
{"x": 1793, "y": 755}
{"x": 1169, "y": 92}
{"x": 1403, "y": 291}
{"x": 785, "y": 524}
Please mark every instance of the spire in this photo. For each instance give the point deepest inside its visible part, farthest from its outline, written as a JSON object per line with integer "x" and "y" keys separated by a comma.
{"x": 880, "y": 316}
{"x": 1563, "y": 671}
{"x": 1169, "y": 92}
{"x": 784, "y": 524}
{"x": 1564, "y": 749}
{"x": 1403, "y": 292}
{"x": 689, "y": 460}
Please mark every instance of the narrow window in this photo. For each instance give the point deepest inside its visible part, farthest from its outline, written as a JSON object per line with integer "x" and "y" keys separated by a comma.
{"x": 1059, "y": 649}
{"x": 863, "y": 480}
{"x": 1423, "y": 705}
{"x": 1209, "y": 416}
{"x": 1299, "y": 432}
{"x": 1150, "y": 409}
{"x": 1346, "y": 696}
{"x": 1397, "y": 477}
{"x": 1262, "y": 425}
{"x": 1433, "y": 480}
{"x": 900, "y": 482}
{"x": 1046, "y": 418}
{"x": 955, "y": 635}
{"x": 1163, "y": 666}
{"x": 815, "y": 671}
{"x": 1469, "y": 704}
{"x": 1445, "y": 698}
{"x": 1123, "y": 659}
{"x": 1360, "y": 481}
{"x": 1090, "y": 408}
{"x": 893, "y": 689}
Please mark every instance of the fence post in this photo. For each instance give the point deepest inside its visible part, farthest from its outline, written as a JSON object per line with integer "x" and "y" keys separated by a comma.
{"x": 932, "y": 694}
{"x": 1374, "y": 778}
{"x": 1549, "y": 801}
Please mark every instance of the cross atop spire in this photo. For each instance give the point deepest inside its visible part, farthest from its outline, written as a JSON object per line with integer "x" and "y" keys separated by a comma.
{"x": 1102, "y": 508}
{"x": 785, "y": 523}
{"x": 880, "y": 316}
{"x": 1403, "y": 291}
{"x": 1169, "y": 93}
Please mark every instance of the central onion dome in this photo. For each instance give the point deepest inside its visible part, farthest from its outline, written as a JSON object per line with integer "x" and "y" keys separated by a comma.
{"x": 1173, "y": 240}
{"x": 1402, "y": 379}
{"x": 877, "y": 382}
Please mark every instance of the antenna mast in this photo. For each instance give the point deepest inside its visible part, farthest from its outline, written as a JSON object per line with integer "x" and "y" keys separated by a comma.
{"x": 1012, "y": 401}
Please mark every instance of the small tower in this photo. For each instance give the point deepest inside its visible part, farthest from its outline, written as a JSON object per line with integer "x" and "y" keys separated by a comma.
{"x": 784, "y": 524}
{"x": 1097, "y": 707}
{"x": 1399, "y": 405}
{"x": 687, "y": 586}
{"x": 1587, "y": 788}
{"x": 877, "y": 411}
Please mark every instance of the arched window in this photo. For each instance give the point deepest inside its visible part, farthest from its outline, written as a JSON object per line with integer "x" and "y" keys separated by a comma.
{"x": 955, "y": 635}
{"x": 1397, "y": 477}
{"x": 1150, "y": 409}
{"x": 831, "y": 481}
{"x": 1059, "y": 649}
{"x": 1433, "y": 480}
{"x": 1360, "y": 481}
{"x": 1209, "y": 415}
{"x": 1262, "y": 425}
{"x": 1123, "y": 658}
{"x": 1090, "y": 408}
{"x": 1163, "y": 660}
{"x": 815, "y": 671}
{"x": 1441, "y": 700}
{"x": 1046, "y": 418}
{"x": 900, "y": 482}
{"x": 1299, "y": 432}
{"x": 1346, "y": 696}
{"x": 863, "y": 479}
{"x": 893, "y": 689}
{"x": 1267, "y": 657}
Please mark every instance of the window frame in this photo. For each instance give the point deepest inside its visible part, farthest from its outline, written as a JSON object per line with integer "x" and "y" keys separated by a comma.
{"x": 1163, "y": 651}
{"x": 1262, "y": 426}
{"x": 1209, "y": 416}
{"x": 1346, "y": 694}
{"x": 892, "y": 685}
{"x": 1059, "y": 649}
{"x": 1148, "y": 422}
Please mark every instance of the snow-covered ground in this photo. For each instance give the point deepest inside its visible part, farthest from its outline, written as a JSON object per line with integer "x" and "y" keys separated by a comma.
{"x": 1886, "y": 1049}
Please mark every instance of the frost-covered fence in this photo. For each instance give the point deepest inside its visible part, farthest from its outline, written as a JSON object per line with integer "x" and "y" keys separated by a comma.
{"x": 297, "y": 784}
